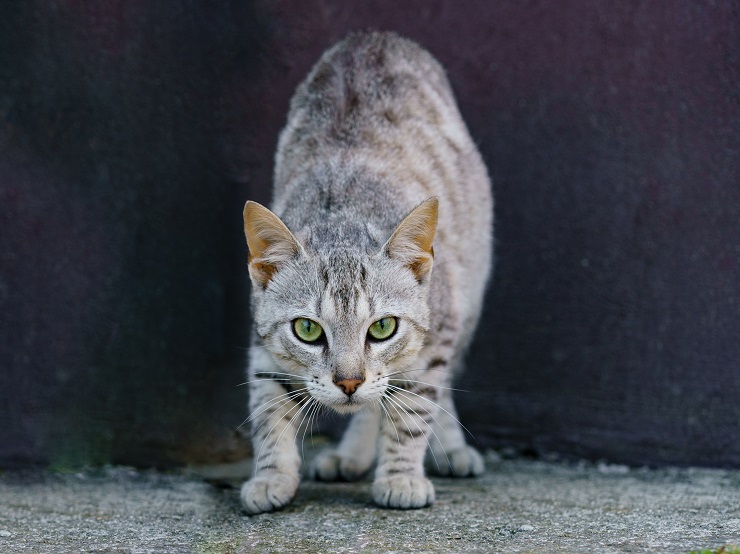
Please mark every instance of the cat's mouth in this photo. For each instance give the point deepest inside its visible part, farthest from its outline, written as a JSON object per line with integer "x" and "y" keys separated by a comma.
{"x": 349, "y": 406}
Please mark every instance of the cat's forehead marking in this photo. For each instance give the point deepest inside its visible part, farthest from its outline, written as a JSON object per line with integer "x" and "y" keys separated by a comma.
{"x": 344, "y": 284}
{"x": 344, "y": 278}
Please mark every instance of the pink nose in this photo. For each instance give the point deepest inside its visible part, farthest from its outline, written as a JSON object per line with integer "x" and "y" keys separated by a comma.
{"x": 349, "y": 386}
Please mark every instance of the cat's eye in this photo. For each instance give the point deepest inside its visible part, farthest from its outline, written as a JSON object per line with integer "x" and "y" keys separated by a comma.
{"x": 307, "y": 330}
{"x": 383, "y": 328}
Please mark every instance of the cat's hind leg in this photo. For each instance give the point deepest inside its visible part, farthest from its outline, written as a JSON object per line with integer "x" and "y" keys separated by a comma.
{"x": 355, "y": 454}
{"x": 450, "y": 455}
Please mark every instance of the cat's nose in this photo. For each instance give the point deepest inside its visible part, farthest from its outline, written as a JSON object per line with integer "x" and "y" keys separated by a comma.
{"x": 349, "y": 386}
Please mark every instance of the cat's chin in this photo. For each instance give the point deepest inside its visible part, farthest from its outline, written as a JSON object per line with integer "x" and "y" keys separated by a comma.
{"x": 349, "y": 407}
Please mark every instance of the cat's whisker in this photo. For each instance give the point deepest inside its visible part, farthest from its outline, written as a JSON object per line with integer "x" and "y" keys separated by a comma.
{"x": 413, "y": 381}
{"x": 319, "y": 413}
{"x": 277, "y": 404}
{"x": 282, "y": 381}
{"x": 305, "y": 408}
{"x": 388, "y": 415}
{"x": 408, "y": 408}
{"x": 266, "y": 405}
{"x": 403, "y": 372}
{"x": 270, "y": 374}
{"x": 301, "y": 406}
{"x": 274, "y": 376}
{"x": 251, "y": 347}
{"x": 259, "y": 410}
{"x": 438, "y": 406}
{"x": 265, "y": 421}
{"x": 309, "y": 423}
{"x": 258, "y": 457}
{"x": 316, "y": 414}
{"x": 431, "y": 428}
{"x": 311, "y": 403}
{"x": 390, "y": 406}
{"x": 396, "y": 407}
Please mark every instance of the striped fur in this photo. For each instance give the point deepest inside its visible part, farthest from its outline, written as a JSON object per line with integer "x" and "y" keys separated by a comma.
{"x": 373, "y": 133}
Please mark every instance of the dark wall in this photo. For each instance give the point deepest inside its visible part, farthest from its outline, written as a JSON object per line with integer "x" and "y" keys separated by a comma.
{"x": 131, "y": 133}
{"x": 121, "y": 302}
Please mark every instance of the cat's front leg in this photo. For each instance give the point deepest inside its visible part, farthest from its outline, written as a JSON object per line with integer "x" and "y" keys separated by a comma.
{"x": 399, "y": 479}
{"x": 356, "y": 452}
{"x": 277, "y": 462}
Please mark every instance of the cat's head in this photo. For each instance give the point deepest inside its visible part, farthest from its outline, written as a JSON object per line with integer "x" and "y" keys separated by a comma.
{"x": 340, "y": 321}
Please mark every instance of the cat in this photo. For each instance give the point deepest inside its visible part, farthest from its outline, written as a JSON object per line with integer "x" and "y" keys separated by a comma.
{"x": 367, "y": 276}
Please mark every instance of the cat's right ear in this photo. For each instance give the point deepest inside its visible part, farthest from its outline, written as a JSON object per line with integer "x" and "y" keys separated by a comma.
{"x": 270, "y": 242}
{"x": 411, "y": 242}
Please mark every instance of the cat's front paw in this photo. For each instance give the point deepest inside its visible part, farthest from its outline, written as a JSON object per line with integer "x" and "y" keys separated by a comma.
{"x": 403, "y": 491}
{"x": 462, "y": 462}
{"x": 265, "y": 493}
{"x": 329, "y": 465}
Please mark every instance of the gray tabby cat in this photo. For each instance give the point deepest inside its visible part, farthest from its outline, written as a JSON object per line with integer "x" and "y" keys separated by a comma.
{"x": 375, "y": 164}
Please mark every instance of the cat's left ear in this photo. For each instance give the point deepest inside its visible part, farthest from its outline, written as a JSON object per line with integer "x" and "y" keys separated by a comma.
{"x": 270, "y": 242}
{"x": 411, "y": 242}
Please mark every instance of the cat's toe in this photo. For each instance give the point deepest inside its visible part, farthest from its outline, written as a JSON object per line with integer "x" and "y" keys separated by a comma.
{"x": 462, "y": 462}
{"x": 265, "y": 493}
{"x": 331, "y": 466}
{"x": 403, "y": 491}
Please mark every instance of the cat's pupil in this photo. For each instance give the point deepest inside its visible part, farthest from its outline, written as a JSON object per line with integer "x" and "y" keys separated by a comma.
{"x": 307, "y": 330}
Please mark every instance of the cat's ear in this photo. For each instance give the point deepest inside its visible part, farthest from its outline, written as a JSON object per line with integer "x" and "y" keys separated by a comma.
{"x": 411, "y": 242}
{"x": 270, "y": 242}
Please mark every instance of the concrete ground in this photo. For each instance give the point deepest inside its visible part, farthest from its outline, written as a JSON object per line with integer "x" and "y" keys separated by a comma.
{"x": 517, "y": 506}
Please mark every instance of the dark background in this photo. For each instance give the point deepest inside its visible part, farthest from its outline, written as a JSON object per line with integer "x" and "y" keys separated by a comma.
{"x": 132, "y": 132}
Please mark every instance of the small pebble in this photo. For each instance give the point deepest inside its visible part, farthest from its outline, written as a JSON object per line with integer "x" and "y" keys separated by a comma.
{"x": 612, "y": 469}
{"x": 4, "y": 533}
{"x": 493, "y": 456}
{"x": 526, "y": 528}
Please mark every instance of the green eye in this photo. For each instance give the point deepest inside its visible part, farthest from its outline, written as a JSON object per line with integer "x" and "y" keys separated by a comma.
{"x": 307, "y": 330}
{"x": 383, "y": 328}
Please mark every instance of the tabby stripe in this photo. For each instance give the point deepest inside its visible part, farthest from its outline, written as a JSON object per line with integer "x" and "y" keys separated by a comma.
{"x": 424, "y": 391}
{"x": 436, "y": 362}
{"x": 392, "y": 434}
{"x": 413, "y": 433}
